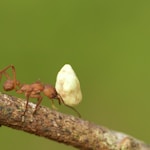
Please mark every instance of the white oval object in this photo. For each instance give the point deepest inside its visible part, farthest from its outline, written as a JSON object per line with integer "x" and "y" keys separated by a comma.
{"x": 68, "y": 86}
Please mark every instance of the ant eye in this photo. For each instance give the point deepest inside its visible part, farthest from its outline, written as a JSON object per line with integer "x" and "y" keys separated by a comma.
{"x": 68, "y": 86}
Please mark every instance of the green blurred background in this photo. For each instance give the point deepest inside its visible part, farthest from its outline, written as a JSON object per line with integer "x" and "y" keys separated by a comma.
{"x": 106, "y": 42}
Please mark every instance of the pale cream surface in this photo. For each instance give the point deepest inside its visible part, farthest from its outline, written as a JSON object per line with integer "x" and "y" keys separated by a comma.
{"x": 68, "y": 86}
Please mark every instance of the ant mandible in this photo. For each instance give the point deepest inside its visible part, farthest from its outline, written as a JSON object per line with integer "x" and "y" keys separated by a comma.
{"x": 31, "y": 90}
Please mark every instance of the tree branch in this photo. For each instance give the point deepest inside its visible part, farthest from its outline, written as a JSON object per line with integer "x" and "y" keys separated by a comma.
{"x": 63, "y": 128}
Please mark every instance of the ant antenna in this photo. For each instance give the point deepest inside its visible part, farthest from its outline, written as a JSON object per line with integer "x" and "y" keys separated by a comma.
{"x": 60, "y": 98}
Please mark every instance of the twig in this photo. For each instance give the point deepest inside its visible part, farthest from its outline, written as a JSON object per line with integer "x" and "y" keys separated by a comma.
{"x": 63, "y": 128}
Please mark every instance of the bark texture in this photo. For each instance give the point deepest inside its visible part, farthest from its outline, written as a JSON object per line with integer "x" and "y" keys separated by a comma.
{"x": 63, "y": 128}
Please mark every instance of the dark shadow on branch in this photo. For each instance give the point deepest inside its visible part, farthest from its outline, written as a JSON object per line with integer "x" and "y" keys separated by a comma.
{"x": 63, "y": 128}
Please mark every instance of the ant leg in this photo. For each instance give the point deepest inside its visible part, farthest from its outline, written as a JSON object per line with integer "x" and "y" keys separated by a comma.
{"x": 26, "y": 107}
{"x": 23, "y": 115}
{"x": 60, "y": 99}
{"x": 53, "y": 105}
{"x": 0, "y": 76}
{"x": 38, "y": 103}
{"x": 14, "y": 75}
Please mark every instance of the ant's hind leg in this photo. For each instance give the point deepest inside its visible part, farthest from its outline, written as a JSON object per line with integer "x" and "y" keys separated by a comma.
{"x": 53, "y": 106}
{"x": 61, "y": 100}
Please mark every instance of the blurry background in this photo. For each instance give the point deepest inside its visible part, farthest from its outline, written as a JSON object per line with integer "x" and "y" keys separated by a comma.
{"x": 106, "y": 42}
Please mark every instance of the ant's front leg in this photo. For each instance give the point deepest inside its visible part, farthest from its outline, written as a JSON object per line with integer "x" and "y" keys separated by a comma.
{"x": 53, "y": 105}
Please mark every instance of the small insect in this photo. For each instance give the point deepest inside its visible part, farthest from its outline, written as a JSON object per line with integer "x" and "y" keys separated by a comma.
{"x": 68, "y": 86}
{"x": 33, "y": 90}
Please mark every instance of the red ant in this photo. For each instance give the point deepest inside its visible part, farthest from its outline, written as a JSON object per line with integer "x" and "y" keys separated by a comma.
{"x": 31, "y": 90}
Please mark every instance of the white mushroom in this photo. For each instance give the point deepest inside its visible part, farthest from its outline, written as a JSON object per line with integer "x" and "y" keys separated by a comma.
{"x": 68, "y": 86}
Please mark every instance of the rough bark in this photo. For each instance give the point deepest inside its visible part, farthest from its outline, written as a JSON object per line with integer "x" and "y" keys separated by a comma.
{"x": 63, "y": 128}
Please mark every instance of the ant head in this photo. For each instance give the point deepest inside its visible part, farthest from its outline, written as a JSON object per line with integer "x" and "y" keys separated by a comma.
{"x": 9, "y": 85}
